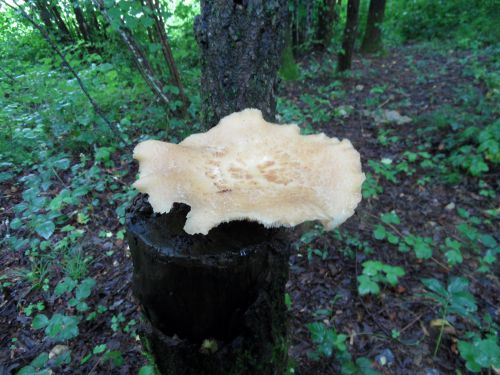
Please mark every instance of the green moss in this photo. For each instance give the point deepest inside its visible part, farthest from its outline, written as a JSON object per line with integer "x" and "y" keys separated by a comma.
{"x": 289, "y": 69}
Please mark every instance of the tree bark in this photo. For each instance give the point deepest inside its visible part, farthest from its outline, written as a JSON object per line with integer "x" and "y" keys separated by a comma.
{"x": 44, "y": 15}
{"x": 241, "y": 42}
{"x": 372, "y": 40}
{"x": 61, "y": 25}
{"x": 214, "y": 304}
{"x": 80, "y": 19}
{"x": 175, "y": 78}
{"x": 351, "y": 28}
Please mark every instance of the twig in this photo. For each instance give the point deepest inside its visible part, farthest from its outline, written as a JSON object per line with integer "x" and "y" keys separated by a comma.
{"x": 59, "y": 177}
{"x": 65, "y": 63}
{"x": 411, "y": 323}
{"x": 384, "y": 102}
{"x": 140, "y": 59}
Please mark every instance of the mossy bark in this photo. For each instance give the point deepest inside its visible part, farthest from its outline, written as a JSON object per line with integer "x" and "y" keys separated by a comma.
{"x": 241, "y": 43}
{"x": 289, "y": 69}
{"x": 212, "y": 304}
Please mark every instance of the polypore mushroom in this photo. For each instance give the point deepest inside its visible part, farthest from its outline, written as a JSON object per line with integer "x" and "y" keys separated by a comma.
{"x": 248, "y": 168}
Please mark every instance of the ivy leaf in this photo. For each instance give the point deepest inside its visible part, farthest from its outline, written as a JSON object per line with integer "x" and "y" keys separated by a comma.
{"x": 454, "y": 257}
{"x": 392, "y": 238}
{"x": 16, "y": 223}
{"x": 45, "y": 229}
{"x": 67, "y": 284}
{"x": 390, "y": 218}
{"x": 62, "y": 164}
{"x": 379, "y": 233}
{"x": 486, "y": 239}
{"x": 367, "y": 285}
{"x": 62, "y": 327}
{"x": 84, "y": 289}
{"x": 422, "y": 248}
{"x": 36, "y": 365}
{"x": 40, "y": 321}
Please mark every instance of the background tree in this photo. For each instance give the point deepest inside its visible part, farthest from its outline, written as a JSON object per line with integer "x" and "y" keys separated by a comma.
{"x": 350, "y": 31}
{"x": 80, "y": 19}
{"x": 152, "y": 76}
{"x": 327, "y": 18}
{"x": 241, "y": 44}
{"x": 372, "y": 40}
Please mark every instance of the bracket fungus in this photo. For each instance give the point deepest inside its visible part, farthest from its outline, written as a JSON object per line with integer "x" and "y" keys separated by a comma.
{"x": 248, "y": 168}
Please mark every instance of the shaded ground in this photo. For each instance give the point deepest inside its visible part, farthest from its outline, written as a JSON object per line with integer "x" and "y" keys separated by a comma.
{"x": 412, "y": 81}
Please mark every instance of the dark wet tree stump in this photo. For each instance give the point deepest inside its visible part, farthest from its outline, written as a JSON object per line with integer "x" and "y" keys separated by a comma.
{"x": 212, "y": 304}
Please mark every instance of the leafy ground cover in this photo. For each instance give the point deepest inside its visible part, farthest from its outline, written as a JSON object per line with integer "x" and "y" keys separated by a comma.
{"x": 409, "y": 284}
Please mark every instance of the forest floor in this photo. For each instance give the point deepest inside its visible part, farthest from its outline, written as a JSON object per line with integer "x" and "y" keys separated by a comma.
{"x": 431, "y": 216}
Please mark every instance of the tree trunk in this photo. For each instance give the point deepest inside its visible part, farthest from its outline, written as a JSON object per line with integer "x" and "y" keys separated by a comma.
{"x": 140, "y": 59}
{"x": 351, "y": 28}
{"x": 372, "y": 40}
{"x": 241, "y": 42}
{"x": 80, "y": 19}
{"x": 44, "y": 15}
{"x": 175, "y": 78}
{"x": 95, "y": 28}
{"x": 327, "y": 16}
{"x": 213, "y": 304}
{"x": 63, "y": 29}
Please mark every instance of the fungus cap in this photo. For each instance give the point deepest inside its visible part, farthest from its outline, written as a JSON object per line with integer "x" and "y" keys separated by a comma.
{"x": 248, "y": 168}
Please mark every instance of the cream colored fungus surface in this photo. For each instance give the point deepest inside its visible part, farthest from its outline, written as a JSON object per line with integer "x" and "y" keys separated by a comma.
{"x": 248, "y": 168}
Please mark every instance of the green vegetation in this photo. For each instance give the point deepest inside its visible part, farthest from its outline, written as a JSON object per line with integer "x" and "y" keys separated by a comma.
{"x": 421, "y": 252}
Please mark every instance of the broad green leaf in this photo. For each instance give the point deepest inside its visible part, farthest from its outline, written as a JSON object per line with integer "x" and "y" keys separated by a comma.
{"x": 84, "y": 289}
{"x": 458, "y": 284}
{"x": 62, "y": 164}
{"x": 45, "y": 229}
{"x": 98, "y": 349}
{"x": 147, "y": 370}
{"x": 40, "y": 321}
{"x": 66, "y": 285}
{"x": 390, "y": 218}
{"x": 372, "y": 267}
{"x": 16, "y": 223}
{"x": 379, "y": 233}
{"x": 488, "y": 240}
{"x": 367, "y": 286}
{"x": 115, "y": 357}
{"x": 454, "y": 257}
{"x": 62, "y": 327}
{"x": 435, "y": 286}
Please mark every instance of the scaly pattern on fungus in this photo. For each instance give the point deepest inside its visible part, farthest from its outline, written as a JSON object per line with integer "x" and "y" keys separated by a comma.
{"x": 248, "y": 168}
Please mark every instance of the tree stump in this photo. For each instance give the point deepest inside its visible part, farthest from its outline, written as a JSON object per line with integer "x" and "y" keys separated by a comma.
{"x": 212, "y": 304}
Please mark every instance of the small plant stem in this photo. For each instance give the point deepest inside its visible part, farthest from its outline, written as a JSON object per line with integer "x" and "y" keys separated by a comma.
{"x": 441, "y": 331}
